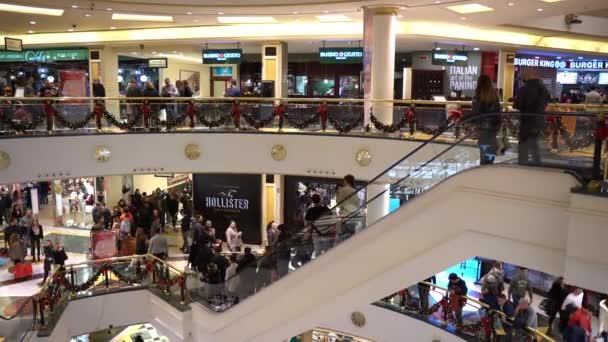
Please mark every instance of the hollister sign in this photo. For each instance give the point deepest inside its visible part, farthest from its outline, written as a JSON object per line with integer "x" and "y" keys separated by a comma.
{"x": 225, "y": 197}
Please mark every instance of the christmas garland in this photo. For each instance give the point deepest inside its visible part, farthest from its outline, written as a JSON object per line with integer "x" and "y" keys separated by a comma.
{"x": 23, "y": 125}
{"x": 212, "y": 123}
{"x": 388, "y": 128}
{"x": 345, "y": 127}
{"x": 257, "y": 124}
{"x": 74, "y": 125}
{"x": 122, "y": 125}
{"x": 303, "y": 124}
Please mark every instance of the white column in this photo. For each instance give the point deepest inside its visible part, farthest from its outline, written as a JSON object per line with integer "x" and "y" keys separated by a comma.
{"x": 505, "y": 77}
{"x": 407, "y": 83}
{"x": 379, "y": 207}
{"x": 379, "y": 61}
{"x": 109, "y": 72}
{"x": 274, "y": 66}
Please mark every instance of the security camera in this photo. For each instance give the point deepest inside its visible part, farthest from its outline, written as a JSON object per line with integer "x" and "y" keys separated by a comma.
{"x": 573, "y": 19}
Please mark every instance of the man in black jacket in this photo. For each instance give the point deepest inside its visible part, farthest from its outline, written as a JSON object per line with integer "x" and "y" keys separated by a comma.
{"x": 531, "y": 101}
{"x": 246, "y": 269}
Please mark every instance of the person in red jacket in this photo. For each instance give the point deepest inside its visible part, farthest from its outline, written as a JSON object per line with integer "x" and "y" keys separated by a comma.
{"x": 582, "y": 317}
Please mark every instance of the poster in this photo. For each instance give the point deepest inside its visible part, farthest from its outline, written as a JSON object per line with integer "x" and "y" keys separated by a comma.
{"x": 73, "y": 83}
{"x": 225, "y": 197}
{"x": 103, "y": 245}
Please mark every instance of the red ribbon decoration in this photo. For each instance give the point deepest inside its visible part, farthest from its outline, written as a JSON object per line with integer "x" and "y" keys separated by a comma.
{"x": 322, "y": 111}
{"x": 279, "y": 110}
{"x": 455, "y": 115}
{"x": 409, "y": 117}
{"x": 146, "y": 110}
{"x": 552, "y": 120}
{"x": 236, "y": 114}
{"x": 99, "y": 110}
{"x": 49, "y": 110}
{"x": 191, "y": 112}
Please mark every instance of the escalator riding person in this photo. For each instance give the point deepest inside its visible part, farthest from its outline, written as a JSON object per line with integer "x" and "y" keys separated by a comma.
{"x": 485, "y": 102}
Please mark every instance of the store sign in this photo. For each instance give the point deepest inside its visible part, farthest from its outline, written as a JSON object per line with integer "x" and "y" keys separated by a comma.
{"x": 224, "y": 56}
{"x": 157, "y": 63}
{"x": 42, "y": 56}
{"x": 222, "y": 71}
{"x": 225, "y": 197}
{"x": 450, "y": 58}
{"x": 463, "y": 78}
{"x": 559, "y": 64}
{"x": 340, "y": 55}
{"x": 13, "y": 44}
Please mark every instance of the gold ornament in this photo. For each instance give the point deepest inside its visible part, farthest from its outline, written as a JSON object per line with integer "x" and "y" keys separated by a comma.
{"x": 5, "y": 160}
{"x": 278, "y": 152}
{"x": 192, "y": 151}
{"x": 102, "y": 154}
{"x": 363, "y": 157}
{"x": 358, "y": 319}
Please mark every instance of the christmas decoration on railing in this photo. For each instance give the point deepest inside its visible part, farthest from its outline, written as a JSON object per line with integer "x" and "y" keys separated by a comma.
{"x": 448, "y": 314}
{"x": 322, "y": 112}
{"x": 345, "y": 127}
{"x": 302, "y": 124}
{"x": 279, "y": 110}
{"x": 123, "y": 125}
{"x": 22, "y": 125}
{"x": 454, "y": 117}
{"x": 163, "y": 277}
{"x": 73, "y": 125}
{"x": 257, "y": 124}
{"x": 212, "y": 123}
{"x": 191, "y": 113}
{"x": 146, "y": 111}
{"x": 410, "y": 118}
{"x": 235, "y": 112}
{"x": 49, "y": 110}
{"x": 140, "y": 275}
{"x": 388, "y": 128}
{"x": 99, "y": 112}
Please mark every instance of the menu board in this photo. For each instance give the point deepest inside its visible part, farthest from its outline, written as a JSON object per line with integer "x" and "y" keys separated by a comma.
{"x": 567, "y": 77}
{"x": 603, "y": 79}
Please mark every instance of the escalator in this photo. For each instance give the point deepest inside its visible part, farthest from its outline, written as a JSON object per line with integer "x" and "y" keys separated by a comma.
{"x": 449, "y": 222}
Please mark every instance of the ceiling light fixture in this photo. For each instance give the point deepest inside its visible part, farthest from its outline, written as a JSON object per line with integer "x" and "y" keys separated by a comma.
{"x": 189, "y": 13}
{"x": 70, "y": 30}
{"x": 511, "y": 4}
{"x": 31, "y": 10}
{"x": 30, "y": 31}
{"x": 74, "y": 6}
{"x": 32, "y": 23}
{"x": 141, "y": 17}
{"x": 539, "y": 9}
{"x": 399, "y": 15}
{"x": 550, "y": 1}
{"x": 112, "y": 28}
{"x": 108, "y": 9}
{"x": 87, "y": 15}
{"x": 476, "y": 49}
{"x": 220, "y": 13}
{"x": 196, "y": 20}
{"x": 295, "y": 12}
{"x": 470, "y": 8}
{"x": 333, "y": 18}
{"x": 154, "y": 52}
{"x": 437, "y": 2}
{"x": 246, "y": 20}
{"x": 463, "y": 18}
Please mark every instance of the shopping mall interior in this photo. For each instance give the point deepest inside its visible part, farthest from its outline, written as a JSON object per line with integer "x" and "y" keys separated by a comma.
{"x": 305, "y": 170}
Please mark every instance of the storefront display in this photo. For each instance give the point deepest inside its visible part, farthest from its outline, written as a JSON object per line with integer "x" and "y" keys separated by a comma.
{"x": 231, "y": 197}
{"x": 75, "y": 201}
{"x": 138, "y": 69}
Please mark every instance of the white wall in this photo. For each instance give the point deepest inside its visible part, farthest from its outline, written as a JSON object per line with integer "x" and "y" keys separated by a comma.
{"x": 73, "y": 156}
{"x": 148, "y": 183}
{"x": 173, "y": 72}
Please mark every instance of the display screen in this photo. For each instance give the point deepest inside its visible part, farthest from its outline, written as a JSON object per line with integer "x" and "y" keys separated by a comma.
{"x": 567, "y": 77}
{"x": 603, "y": 79}
{"x": 588, "y": 78}
{"x": 222, "y": 56}
{"x": 340, "y": 55}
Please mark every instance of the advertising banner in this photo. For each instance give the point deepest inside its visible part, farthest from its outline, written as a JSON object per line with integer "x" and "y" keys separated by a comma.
{"x": 225, "y": 197}
{"x": 73, "y": 83}
{"x": 222, "y": 56}
{"x": 103, "y": 245}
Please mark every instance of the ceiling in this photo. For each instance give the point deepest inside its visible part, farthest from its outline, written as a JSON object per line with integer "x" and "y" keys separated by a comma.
{"x": 96, "y": 15}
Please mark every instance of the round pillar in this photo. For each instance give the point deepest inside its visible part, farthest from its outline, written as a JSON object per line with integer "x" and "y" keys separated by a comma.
{"x": 379, "y": 207}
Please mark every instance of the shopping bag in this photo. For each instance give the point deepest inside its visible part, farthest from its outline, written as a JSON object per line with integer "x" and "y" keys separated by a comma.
{"x": 163, "y": 115}
{"x": 22, "y": 270}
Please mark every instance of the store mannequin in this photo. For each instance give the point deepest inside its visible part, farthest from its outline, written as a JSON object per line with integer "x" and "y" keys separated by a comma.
{"x": 603, "y": 316}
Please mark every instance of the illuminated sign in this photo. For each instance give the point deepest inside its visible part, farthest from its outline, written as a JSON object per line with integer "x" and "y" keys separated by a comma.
{"x": 42, "y": 56}
{"x": 450, "y": 58}
{"x": 559, "y": 64}
{"x": 340, "y": 55}
{"x": 223, "y": 56}
{"x": 157, "y": 63}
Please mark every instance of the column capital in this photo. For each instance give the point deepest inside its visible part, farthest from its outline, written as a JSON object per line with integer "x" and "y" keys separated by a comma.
{"x": 382, "y": 9}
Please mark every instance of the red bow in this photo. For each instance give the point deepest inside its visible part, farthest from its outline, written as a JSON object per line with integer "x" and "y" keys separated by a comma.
{"x": 279, "y": 110}
{"x": 409, "y": 116}
{"x": 552, "y": 120}
{"x": 235, "y": 111}
{"x": 455, "y": 115}
{"x": 99, "y": 111}
{"x": 49, "y": 110}
{"x": 322, "y": 111}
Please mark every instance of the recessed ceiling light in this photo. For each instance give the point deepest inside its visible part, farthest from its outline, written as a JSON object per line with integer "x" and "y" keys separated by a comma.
{"x": 470, "y": 8}
{"x": 537, "y": 57}
{"x": 559, "y": 57}
{"x": 31, "y": 10}
{"x": 325, "y": 11}
{"x": 32, "y": 23}
{"x": 333, "y": 18}
{"x": 550, "y": 1}
{"x": 463, "y": 18}
{"x": 295, "y": 12}
{"x": 580, "y": 57}
{"x": 141, "y": 17}
{"x": 87, "y": 15}
{"x": 134, "y": 53}
{"x": 438, "y": 48}
{"x": 70, "y": 30}
{"x": 108, "y": 9}
{"x": 154, "y": 52}
{"x": 476, "y": 49}
{"x": 511, "y": 4}
{"x": 539, "y": 9}
{"x": 174, "y": 52}
{"x": 246, "y": 20}
{"x": 220, "y": 13}
{"x": 189, "y": 13}
{"x": 112, "y": 28}
{"x": 30, "y": 31}
{"x": 74, "y": 6}
{"x": 196, "y": 20}
{"x": 437, "y": 2}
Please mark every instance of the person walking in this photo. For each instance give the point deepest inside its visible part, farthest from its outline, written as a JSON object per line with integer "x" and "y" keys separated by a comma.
{"x": 185, "y": 230}
{"x": 283, "y": 249}
{"x": 486, "y": 102}
{"x": 172, "y": 204}
{"x": 59, "y": 255}
{"x": 16, "y": 248}
{"x": 272, "y": 233}
{"x": 531, "y": 101}
{"x": 49, "y": 259}
{"x": 233, "y": 90}
{"x": 232, "y": 279}
{"x": 457, "y": 292}
{"x": 151, "y": 92}
{"x": 133, "y": 90}
{"x": 233, "y": 237}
